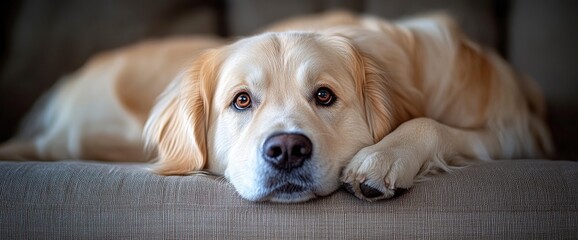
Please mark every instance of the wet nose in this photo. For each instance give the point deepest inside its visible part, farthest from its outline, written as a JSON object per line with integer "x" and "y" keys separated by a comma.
{"x": 287, "y": 151}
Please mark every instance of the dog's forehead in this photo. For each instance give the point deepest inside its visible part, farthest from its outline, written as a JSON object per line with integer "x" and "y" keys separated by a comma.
{"x": 280, "y": 59}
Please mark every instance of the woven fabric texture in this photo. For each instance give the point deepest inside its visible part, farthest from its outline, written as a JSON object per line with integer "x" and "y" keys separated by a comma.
{"x": 89, "y": 200}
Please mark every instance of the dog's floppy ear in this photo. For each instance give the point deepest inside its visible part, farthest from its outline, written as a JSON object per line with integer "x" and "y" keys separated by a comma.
{"x": 177, "y": 126}
{"x": 388, "y": 101}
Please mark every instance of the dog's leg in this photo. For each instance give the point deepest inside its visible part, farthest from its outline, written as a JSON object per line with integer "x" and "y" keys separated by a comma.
{"x": 415, "y": 148}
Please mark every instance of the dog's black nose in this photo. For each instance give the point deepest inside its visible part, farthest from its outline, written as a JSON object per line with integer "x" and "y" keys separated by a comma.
{"x": 287, "y": 151}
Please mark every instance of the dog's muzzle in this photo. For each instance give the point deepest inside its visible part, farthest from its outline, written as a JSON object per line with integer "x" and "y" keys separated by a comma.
{"x": 287, "y": 175}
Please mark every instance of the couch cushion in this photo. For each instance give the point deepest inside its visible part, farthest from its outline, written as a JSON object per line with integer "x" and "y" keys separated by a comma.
{"x": 479, "y": 19}
{"x": 47, "y": 39}
{"x": 543, "y": 45}
{"x": 70, "y": 199}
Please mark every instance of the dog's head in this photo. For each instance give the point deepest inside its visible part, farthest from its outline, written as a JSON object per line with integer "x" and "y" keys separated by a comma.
{"x": 279, "y": 114}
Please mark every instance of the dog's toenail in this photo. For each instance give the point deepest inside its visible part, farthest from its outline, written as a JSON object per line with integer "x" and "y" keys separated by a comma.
{"x": 348, "y": 187}
{"x": 369, "y": 192}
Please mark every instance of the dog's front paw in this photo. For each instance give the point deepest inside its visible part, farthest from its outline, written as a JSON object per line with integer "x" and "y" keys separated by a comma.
{"x": 375, "y": 174}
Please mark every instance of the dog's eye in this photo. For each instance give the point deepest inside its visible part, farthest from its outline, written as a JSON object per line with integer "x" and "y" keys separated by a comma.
{"x": 242, "y": 101}
{"x": 324, "y": 96}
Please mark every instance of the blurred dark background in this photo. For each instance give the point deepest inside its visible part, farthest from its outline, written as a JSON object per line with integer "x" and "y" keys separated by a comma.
{"x": 41, "y": 40}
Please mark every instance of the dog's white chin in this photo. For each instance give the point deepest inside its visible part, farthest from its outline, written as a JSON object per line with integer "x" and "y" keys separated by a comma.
{"x": 295, "y": 197}
{"x": 284, "y": 197}
{"x": 292, "y": 197}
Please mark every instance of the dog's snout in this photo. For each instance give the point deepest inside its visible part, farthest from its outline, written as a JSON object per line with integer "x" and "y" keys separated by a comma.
{"x": 287, "y": 151}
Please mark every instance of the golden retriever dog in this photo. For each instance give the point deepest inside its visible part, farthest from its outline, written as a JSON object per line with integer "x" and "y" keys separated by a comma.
{"x": 297, "y": 111}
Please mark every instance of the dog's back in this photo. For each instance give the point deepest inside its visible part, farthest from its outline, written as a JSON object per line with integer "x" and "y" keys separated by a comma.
{"x": 99, "y": 111}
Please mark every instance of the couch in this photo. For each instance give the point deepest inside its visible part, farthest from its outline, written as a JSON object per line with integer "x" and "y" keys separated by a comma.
{"x": 73, "y": 199}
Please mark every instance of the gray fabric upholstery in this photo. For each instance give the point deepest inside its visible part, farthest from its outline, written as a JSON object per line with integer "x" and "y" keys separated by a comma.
{"x": 506, "y": 199}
